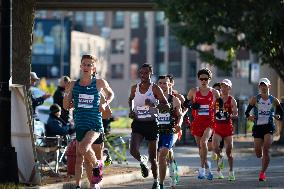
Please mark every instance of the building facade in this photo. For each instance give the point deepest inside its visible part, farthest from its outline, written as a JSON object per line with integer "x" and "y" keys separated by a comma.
{"x": 134, "y": 38}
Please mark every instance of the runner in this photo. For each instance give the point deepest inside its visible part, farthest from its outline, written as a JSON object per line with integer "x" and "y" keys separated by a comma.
{"x": 214, "y": 156}
{"x": 143, "y": 99}
{"x": 84, "y": 95}
{"x": 202, "y": 99}
{"x": 169, "y": 123}
{"x": 172, "y": 164}
{"x": 223, "y": 128}
{"x": 266, "y": 107}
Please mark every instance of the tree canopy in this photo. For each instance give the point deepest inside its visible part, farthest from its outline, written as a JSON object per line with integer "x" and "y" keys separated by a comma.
{"x": 229, "y": 25}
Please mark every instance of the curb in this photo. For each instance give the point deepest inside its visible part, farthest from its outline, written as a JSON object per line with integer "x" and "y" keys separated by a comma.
{"x": 108, "y": 180}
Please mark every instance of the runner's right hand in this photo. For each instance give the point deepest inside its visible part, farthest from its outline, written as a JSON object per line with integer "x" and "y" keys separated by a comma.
{"x": 131, "y": 114}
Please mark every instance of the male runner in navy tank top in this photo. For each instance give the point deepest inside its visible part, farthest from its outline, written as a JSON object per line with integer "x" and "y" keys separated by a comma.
{"x": 84, "y": 95}
{"x": 169, "y": 124}
{"x": 145, "y": 97}
{"x": 264, "y": 105}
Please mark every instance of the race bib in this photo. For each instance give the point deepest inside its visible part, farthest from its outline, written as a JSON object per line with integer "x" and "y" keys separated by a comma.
{"x": 164, "y": 118}
{"x": 85, "y": 101}
{"x": 146, "y": 113}
{"x": 203, "y": 110}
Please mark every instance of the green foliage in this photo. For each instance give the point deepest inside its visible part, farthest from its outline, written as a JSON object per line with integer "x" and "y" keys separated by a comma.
{"x": 229, "y": 25}
{"x": 10, "y": 186}
{"x": 121, "y": 122}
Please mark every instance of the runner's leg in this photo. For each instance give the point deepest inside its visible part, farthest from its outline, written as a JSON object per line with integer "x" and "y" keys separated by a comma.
{"x": 268, "y": 139}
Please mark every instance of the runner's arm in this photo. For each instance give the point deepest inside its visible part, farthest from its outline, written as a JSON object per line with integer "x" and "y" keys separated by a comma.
{"x": 67, "y": 100}
{"x": 234, "y": 108}
{"x": 278, "y": 109}
{"x": 252, "y": 103}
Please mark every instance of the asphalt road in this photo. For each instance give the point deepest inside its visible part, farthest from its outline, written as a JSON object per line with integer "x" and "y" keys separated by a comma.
{"x": 246, "y": 171}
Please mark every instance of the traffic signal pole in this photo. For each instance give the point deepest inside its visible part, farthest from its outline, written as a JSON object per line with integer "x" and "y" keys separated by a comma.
{"x": 8, "y": 156}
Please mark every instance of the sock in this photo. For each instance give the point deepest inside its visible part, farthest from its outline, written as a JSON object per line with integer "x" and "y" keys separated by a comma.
{"x": 155, "y": 180}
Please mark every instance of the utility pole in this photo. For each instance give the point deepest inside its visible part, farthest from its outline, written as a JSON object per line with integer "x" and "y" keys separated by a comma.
{"x": 8, "y": 156}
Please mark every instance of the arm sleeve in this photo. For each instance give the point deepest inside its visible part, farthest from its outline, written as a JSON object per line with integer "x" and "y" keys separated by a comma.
{"x": 221, "y": 103}
{"x": 247, "y": 112}
{"x": 279, "y": 111}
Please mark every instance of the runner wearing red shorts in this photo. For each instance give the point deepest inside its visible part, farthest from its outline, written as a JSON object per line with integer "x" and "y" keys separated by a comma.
{"x": 202, "y": 101}
{"x": 223, "y": 128}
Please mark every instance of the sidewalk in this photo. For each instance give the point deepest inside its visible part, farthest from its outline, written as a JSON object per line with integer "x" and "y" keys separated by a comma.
{"x": 122, "y": 173}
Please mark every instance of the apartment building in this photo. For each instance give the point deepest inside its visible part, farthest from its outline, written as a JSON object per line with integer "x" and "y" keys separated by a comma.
{"x": 134, "y": 38}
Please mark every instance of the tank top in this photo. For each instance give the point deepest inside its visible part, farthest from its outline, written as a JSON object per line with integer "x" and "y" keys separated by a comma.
{"x": 167, "y": 120}
{"x": 86, "y": 106}
{"x": 206, "y": 110}
{"x": 227, "y": 107}
{"x": 142, "y": 111}
{"x": 264, "y": 110}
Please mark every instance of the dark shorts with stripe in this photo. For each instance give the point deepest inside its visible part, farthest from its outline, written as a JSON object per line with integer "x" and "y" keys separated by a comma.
{"x": 100, "y": 139}
{"x": 148, "y": 129}
{"x": 258, "y": 131}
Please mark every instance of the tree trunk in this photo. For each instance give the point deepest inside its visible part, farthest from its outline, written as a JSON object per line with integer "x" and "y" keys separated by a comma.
{"x": 22, "y": 26}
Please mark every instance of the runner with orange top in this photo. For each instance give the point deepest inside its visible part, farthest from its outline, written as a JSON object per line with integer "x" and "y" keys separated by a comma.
{"x": 223, "y": 128}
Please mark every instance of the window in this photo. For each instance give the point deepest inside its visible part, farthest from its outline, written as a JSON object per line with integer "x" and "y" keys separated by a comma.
{"x": 159, "y": 18}
{"x": 90, "y": 19}
{"x": 118, "y": 19}
{"x": 174, "y": 45}
{"x": 79, "y": 17}
{"x": 175, "y": 68}
{"x": 117, "y": 71}
{"x": 242, "y": 69}
{"x": 100, "y": 18}
{"x": 134, "y": 46}
{"x": 134, "y": 20}
{"x": 117, "y": 46}
{"x": 162, "y": 68}
{"x": 191, "y": 71}
{"x": 161, "y": 44}
{"x": 146, "y": 19}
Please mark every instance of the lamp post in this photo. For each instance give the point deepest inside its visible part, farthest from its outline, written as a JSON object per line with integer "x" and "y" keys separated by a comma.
{"x": 8, "y": 156}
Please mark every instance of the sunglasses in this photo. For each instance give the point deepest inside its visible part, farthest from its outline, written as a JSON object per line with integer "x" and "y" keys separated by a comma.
{"x": 203, "y": 79}
{"x": 87, "y": 65}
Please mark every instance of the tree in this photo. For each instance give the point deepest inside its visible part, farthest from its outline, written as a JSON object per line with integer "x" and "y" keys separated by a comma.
{"x": 230, "y": 25}
{"x": 22, "y": 26}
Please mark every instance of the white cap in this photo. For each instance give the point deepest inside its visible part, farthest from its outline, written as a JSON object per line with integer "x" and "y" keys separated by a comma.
{"x": 34, "y": 76}
{"x": 265, "y": 81}
{"x": 227, "y": 82}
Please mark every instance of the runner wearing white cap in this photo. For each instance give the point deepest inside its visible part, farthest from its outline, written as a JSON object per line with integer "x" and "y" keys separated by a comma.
{"x": 223, "y": 128}
{"x": 266, "y": 107}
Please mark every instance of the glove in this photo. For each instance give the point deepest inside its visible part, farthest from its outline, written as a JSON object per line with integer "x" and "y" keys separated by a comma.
{"x": 195, "y": 106}
{"x": 227, "y": 115}
{"x": 187, "y": 103}
{"x": 219, "y": 115}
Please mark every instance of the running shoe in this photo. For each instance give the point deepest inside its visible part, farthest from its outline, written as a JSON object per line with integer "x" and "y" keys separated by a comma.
{"x": 97, "y": 173}
{"x": 108, "y": 160}
{"x": 144, "y": 167}
{"x": 231, "y": 176}
{"x": 175, "y": 168}
{"x": 78, "y": 187}
{"x": 214, "y": 156}
{"x": 220, "y": 175}
{"x": 262, "y": 176}
{"x": 162, "y": 186}
{"x": 156, "y": 185}
{"x": 201, "y": 173}
{"x": 96, "y": 186}
{"x": 221, "y": 163}
{"x": 209, "y": 176}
